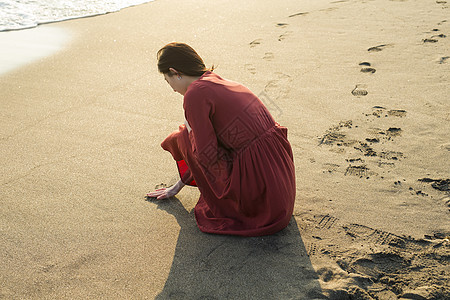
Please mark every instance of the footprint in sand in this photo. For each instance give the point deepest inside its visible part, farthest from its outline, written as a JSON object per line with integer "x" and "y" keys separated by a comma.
{"x": 393, "y": 131}
{"x": 330, "y": 168}
{"x": 391, "y": 155}
{"x": 388, "y": 134}
{"x": 442, "y": 3}
{"x": 334, "y": 135}
{"x": 359, "y": 171}
{"x": 251, "y": 68}
{"x": 379, "y": 48}
{"x": 282, "y": 25}
{"x": 388, "y": 265}
{"x": 268, "y": 56}
{"x": 443, "y": 59}
{"x": 368, "y": 70}
{"x": 299, "y": 14}
{"x": 255, "y": 43}
{"x": 329, "y": 9}
{"x": 365, "y": 149}
{"x": 284, "y": 35}
{"x": 397, "y": 113}
{"x": 434, "y": 38}
{"x": 379, "y": 111}
{"x": 439, "y": 184}
{"x": 360, "y": 90}
{"x": 362, "y": 232}
{"x": 278, "y": 88}
{"x": 311, "y": 249}
{"x": 366, "y": 67}
{"x": 325, "y": 221}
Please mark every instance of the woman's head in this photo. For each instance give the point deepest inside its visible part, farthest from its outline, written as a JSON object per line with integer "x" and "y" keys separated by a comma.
{"x": 182, "y": 58}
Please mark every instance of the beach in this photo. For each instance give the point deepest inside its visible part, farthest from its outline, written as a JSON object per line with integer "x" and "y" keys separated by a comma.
{"x": 362, "y": 87}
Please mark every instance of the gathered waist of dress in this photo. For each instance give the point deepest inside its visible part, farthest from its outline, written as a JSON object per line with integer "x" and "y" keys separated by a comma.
{"x": 260, "y": 137}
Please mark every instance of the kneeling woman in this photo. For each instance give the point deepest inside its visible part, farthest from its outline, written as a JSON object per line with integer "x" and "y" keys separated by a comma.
{"x": 230, "y": 147}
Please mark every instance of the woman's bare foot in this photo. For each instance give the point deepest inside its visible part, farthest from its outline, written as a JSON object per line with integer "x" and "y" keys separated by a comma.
{"x": 164, "y": 193}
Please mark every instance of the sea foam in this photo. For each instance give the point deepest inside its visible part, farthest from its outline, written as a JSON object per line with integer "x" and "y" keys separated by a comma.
{"x": 22, "y": 14}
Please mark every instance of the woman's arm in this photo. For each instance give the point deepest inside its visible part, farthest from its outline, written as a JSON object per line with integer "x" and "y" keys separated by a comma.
{"x": 167, "y": 192}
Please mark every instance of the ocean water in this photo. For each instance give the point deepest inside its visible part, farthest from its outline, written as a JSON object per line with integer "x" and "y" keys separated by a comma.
{"x": 22, "y": 14}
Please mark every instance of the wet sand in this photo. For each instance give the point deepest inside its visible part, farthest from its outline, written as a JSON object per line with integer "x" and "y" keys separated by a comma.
{"x": 21, "y": 47}
{"x": 362, "y": 87}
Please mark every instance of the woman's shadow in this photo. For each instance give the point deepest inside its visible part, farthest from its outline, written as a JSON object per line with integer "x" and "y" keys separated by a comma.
{"x": 207, "y": 266}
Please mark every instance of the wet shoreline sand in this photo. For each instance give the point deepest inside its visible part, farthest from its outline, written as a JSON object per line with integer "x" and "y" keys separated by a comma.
{"x": 361, "y": 86}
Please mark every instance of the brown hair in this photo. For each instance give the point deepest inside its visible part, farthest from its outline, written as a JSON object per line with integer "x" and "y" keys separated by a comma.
{"x": 182, "y": 58}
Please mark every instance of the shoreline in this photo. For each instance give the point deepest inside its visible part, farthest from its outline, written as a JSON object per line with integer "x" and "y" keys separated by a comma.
{"x": 70, "y": 17}
{"x": 80, "y": 135}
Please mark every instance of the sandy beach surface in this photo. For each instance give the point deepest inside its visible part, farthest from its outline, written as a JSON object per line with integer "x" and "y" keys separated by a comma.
{"x": 363, "y": 87}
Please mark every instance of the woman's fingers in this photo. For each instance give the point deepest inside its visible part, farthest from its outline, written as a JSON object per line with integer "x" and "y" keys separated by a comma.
{"x": 164, "y": 193}
{"x": 163, "y": 196}
{"x": 158, "y": 194}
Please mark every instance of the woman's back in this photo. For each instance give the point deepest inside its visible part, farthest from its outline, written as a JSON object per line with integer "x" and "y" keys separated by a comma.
{"x": 237, "y": 115}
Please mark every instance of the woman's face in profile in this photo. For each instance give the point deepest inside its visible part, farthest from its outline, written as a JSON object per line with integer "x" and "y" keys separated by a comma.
{"x": 173, "y": 82}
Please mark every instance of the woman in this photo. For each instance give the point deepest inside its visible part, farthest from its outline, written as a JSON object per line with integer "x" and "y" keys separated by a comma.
{"x": 230, "y": 147}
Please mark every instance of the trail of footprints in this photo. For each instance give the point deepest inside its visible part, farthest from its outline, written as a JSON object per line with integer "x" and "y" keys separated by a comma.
{"x": 390, "y": 262}
{"x": 374, "y": 149}
{"x": 316, "y": 224}
{"x": 436, "y": 35}
{"x": 269, "y": 56}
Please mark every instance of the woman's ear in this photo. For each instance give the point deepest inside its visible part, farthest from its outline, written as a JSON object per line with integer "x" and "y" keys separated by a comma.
{"x": 173, "y": 71}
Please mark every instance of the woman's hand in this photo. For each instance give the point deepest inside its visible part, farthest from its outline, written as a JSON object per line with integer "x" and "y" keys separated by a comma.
{"x": 167, "y": 192}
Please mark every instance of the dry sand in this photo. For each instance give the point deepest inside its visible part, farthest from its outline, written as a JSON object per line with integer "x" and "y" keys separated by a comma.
{"x": 363, "y": 88}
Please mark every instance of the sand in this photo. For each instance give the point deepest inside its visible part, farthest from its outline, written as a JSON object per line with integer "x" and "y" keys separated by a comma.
{"x": 21, "y": 47}
{"x": 362, "y": 87}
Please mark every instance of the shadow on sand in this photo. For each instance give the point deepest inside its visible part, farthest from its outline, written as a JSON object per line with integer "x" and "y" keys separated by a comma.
{"x": 207, "y": 266}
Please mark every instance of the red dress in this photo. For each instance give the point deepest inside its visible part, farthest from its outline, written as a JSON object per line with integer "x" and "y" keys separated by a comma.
{"x": 237, "y": 156}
